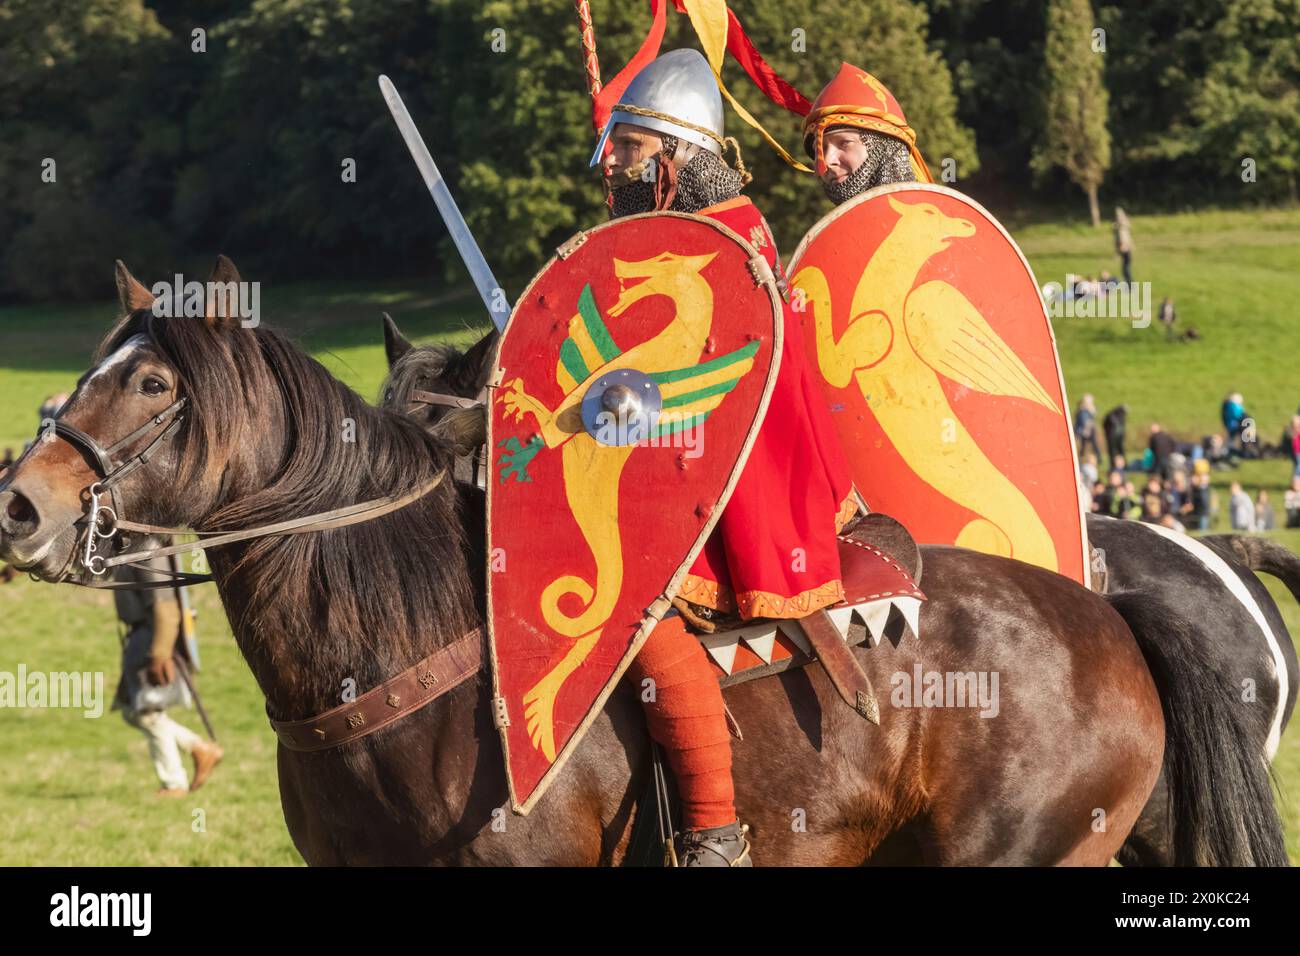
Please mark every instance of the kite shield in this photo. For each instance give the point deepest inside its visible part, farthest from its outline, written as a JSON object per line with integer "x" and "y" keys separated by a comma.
{"x": 939, "y": 363}
{"x": 631, "y": 380}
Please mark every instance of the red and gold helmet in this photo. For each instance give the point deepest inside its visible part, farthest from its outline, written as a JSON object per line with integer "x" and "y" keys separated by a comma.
{"x": 856, "y": 98}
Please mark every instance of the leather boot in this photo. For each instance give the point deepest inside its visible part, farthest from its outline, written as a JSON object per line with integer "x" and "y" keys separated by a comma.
{"x": 206, "y": 756}
{"x": 715, "y": 846}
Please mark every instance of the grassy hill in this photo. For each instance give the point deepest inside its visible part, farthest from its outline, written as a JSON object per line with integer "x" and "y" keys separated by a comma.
{"x": 1234, "y": 276}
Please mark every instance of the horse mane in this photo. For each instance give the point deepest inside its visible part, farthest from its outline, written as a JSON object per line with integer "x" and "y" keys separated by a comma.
{"x": 363, "y": 602}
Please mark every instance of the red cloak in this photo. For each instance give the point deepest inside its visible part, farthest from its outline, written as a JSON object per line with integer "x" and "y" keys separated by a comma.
{"x": 773, "y": 552}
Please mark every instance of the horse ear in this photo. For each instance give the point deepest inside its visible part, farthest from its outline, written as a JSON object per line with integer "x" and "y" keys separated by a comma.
{"x": 223, "y": 297}
{"x": 465, "y": 428}
{"x": 478, "y": 360}
{"x": 395, "y": 345}
{"x": 223, "y": 270}
{"x": 131, "y": 293}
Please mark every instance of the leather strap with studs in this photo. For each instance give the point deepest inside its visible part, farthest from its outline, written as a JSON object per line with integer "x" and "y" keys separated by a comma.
{"x": 388, "y": 703}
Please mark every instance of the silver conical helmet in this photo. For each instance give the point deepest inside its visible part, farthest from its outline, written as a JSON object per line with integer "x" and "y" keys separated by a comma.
{"x": 675, "y": 94}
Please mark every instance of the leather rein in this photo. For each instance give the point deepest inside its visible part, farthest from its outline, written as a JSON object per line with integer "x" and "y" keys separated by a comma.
{"x": 103, "y": 522}
{"x": 420, "y": 397}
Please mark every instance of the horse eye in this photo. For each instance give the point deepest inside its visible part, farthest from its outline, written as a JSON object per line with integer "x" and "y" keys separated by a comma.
{"x": 153, "y": 386}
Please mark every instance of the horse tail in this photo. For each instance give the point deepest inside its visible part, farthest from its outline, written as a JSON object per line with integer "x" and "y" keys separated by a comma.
{"x": 1261, "y": 554}
{"x": 1220, "y": 793}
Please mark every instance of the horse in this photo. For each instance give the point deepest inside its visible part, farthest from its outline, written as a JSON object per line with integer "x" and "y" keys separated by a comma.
{"x": 1199, "y": 599}
{"x": 236, "y": 429}
{"x": 1182, "y": 616}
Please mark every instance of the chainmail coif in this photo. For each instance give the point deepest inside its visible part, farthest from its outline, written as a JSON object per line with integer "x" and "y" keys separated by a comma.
{"x": 637, "y": 196}
{"x": 888, "y": 161}
{"x": 705, "y": 181}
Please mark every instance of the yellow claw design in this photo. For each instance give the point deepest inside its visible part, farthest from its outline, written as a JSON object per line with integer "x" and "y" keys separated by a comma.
{"x": 539, "y": 701}
{"x": 516, "y": 400}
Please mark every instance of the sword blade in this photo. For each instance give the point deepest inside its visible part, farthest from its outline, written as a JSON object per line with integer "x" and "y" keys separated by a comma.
{"x": 492, "y": 294}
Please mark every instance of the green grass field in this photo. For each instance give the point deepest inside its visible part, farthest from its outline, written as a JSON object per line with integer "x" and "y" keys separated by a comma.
{"x": 78, "y": 791}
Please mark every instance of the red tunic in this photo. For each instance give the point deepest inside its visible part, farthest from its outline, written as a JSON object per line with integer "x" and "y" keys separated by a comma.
{"x": 773, "y": 552}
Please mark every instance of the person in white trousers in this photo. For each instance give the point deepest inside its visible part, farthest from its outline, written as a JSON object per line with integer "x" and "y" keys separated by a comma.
{"x": 151, "y": 683}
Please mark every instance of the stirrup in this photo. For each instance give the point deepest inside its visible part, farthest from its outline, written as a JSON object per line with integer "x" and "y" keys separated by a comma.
{"x": 716, "y": 846}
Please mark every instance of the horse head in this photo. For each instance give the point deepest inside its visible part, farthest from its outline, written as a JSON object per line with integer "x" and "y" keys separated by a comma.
{"x": 127, "y": 435}
{"x": 429, "y": 381}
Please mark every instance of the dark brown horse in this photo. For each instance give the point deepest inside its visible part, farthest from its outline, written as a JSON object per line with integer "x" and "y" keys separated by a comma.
{"x": 1208, "y": 617}
{"x": 1056, "y": 771}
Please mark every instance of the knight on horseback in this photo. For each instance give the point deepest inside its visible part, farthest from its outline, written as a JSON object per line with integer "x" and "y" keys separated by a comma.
{"x": 773, "y": 553}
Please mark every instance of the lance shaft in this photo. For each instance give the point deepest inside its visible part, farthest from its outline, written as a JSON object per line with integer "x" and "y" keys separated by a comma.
{"x": 184, "y": 670}
{"x": 592, "y": 66}
{"x": 589, "y": 61}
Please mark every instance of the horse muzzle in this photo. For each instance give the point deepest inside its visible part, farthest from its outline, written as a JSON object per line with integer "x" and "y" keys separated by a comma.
{"x": 32, "y": 538}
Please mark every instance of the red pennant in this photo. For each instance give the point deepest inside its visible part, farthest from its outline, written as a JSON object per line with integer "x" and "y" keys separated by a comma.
{"x": 603, "y": 103}
{"x": 774, "y": 87}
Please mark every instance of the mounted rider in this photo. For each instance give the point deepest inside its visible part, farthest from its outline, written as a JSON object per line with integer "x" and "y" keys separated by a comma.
{"x": 971, "y": 321}
{"x": 859, "y": 137}
{"x": 773, "y": 553}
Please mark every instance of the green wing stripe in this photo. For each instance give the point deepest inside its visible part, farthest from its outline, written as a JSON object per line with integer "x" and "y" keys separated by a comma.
{"x": 596, "y": 326}
{"x": 672, "y": 428}
{"x": 731, "y": 358}
{"x": 572, "y": 359}
{"x": 720, "y": 389}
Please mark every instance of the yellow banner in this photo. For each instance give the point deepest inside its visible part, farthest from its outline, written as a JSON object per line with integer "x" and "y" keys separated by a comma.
{"x": 709, "y": 18}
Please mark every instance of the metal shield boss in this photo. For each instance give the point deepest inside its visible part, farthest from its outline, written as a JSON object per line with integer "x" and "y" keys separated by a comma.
{"x": 938, "y": 361}
{"x": 630, "y": 381}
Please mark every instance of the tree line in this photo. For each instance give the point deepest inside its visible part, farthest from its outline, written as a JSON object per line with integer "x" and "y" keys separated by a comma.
{"x": 164, "y": 132}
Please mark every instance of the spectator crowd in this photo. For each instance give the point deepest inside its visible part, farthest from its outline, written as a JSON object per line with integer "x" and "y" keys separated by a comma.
{"x": 1169, "y": 483}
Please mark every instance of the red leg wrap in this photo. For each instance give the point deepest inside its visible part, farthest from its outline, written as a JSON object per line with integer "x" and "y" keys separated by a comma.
{"x": 688, "y": 718}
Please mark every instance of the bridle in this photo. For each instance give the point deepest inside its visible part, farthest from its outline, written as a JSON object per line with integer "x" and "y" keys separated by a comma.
{"x": 104, "y": 522}
{"x": 110, "y": 475}
{"x": 474, "y": 469}
{"x": 420, "y": 397}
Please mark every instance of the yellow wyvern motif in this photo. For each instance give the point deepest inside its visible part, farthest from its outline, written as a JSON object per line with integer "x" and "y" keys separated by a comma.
{"x": 882, "y": 95}
{"x": 901, "y": 338}
{"x": 690, "y": 391}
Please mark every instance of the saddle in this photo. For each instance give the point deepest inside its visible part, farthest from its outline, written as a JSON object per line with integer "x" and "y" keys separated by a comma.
{"x": 880, "y": 566}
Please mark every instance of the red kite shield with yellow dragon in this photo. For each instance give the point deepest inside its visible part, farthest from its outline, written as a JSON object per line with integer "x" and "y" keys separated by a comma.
{"x": 631, "y": 379}
{"x": 940, "y": 366}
